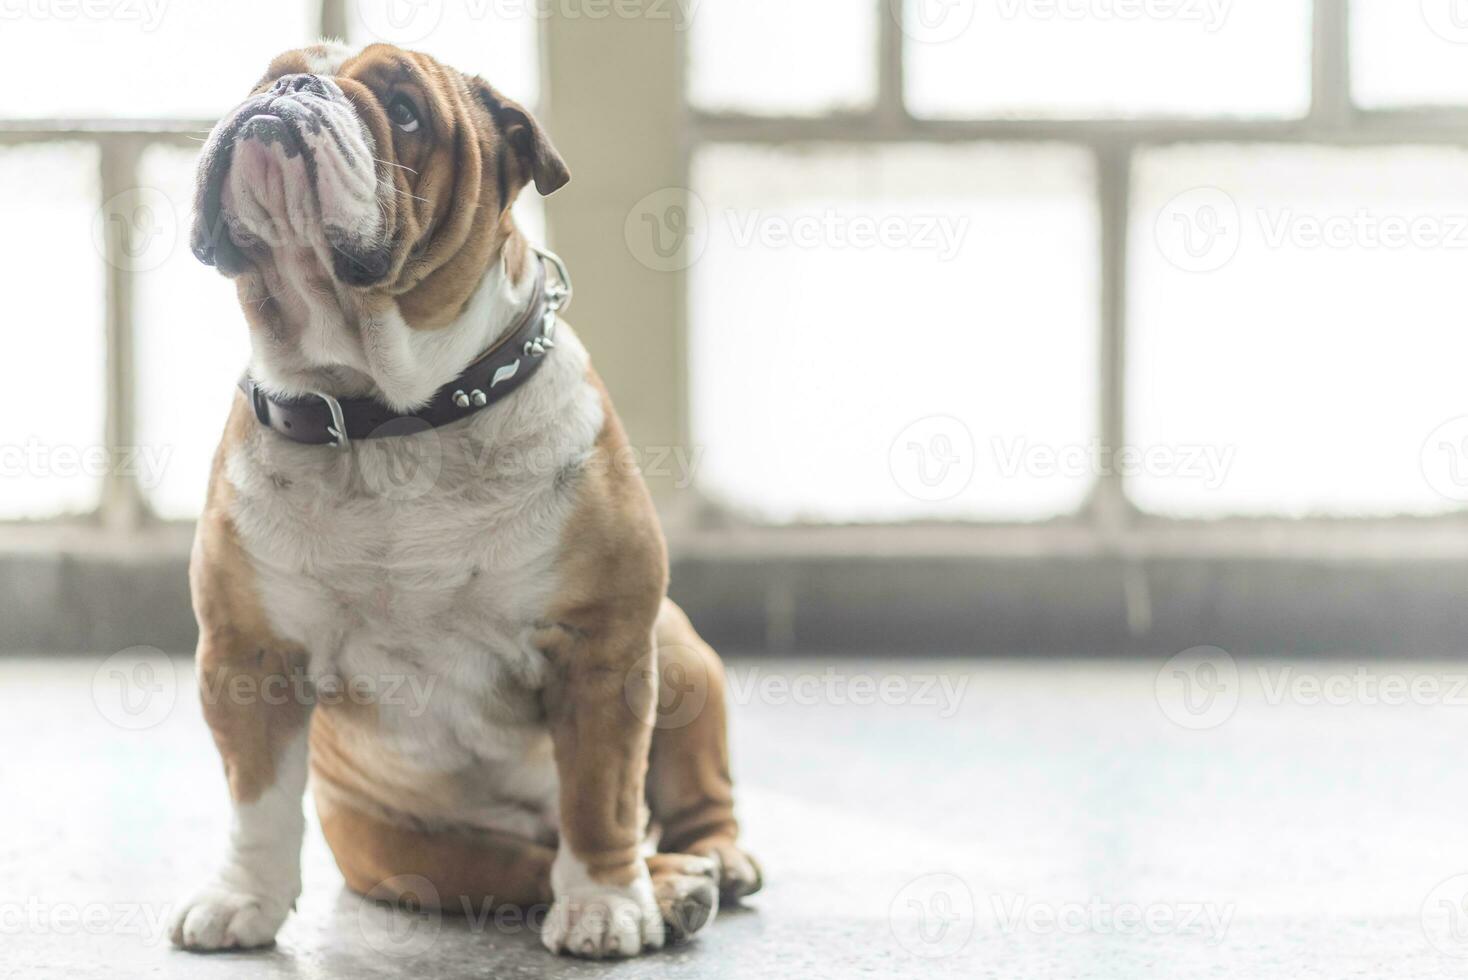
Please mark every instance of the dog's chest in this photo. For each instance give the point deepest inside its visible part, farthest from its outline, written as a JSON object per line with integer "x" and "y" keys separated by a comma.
{"x": 414, "y": 571}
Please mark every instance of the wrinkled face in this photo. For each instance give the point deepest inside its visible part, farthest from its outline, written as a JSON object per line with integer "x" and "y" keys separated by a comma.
{"x": 378, "y": 171}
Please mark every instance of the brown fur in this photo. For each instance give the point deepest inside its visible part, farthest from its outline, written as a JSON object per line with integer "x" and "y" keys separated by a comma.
{"x": 607, "y": 632}
{"x": 252, "y": 684}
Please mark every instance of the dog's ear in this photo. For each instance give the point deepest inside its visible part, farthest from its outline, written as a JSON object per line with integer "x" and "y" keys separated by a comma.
{"x": 524, "y": 135}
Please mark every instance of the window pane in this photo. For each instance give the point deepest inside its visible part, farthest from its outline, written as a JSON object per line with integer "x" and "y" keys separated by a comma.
{"x": 498, "y": 40}
{"x": 52, "y": 453}
{"x": 1075, "y": 58}
{"x": 1407, "y": 54}
{"x": 137, "y": 60}
{"x": 774, "y": 57}
{"x": 1298, "y": 314}
{"x": 191, "y": 343}
{"x": 890, "y": 333}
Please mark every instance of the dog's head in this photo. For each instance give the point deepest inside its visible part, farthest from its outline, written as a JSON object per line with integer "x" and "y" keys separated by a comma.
{"x": 379, "y": 172}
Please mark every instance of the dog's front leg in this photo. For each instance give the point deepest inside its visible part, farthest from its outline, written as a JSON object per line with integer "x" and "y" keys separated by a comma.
{"x": 257, "y": 703}
{"x": 599, "y": 708}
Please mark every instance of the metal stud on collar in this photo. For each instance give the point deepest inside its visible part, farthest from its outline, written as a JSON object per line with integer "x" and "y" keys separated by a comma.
{"x": 557, "y": 298}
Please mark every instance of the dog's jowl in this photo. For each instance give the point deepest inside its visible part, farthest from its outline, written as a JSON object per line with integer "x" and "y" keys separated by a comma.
{"x": 426, "y": 577}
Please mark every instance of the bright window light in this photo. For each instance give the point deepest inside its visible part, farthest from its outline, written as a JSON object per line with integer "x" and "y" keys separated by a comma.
{"x": 1297, "y": 312}
{"x": 895, "y": 333}
{"x": 1102, "y": 58}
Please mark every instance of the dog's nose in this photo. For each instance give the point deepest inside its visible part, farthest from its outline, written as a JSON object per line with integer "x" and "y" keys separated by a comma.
{"x": 289, "y": 84}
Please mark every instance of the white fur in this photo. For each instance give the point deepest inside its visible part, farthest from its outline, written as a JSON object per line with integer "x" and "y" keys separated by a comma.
{"x": 596, "y": 920}
{"x": 433, "y": 584}
{"x": 247, "y": 900}
{"x": 329, "y": 58}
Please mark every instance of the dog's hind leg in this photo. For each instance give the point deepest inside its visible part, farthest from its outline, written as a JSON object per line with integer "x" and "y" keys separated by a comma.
{"x": 462, "y": 872}
{"x": 477, "y": 874}
{"x": 689, "y": 788}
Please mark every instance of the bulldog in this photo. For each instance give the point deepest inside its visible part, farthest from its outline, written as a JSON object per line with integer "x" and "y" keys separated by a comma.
{"x": 475, "y": 663}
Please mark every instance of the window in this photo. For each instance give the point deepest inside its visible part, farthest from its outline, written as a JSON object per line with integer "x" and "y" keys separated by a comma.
{"x": 1195, "y": 299}
{"x": 847, "y": 294}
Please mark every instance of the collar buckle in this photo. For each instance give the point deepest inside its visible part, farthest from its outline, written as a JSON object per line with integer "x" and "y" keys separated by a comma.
{"x": 338, "y": 427}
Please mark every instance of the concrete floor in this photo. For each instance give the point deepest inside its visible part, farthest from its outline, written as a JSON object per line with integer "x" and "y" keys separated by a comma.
{"x": 1031, "y": 819}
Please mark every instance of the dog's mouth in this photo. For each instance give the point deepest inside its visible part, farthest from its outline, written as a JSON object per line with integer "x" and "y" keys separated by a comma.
{"x": 296, "y": 169}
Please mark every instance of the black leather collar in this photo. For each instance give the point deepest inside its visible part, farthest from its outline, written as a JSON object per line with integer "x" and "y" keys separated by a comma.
{"x": 321, "y": 420}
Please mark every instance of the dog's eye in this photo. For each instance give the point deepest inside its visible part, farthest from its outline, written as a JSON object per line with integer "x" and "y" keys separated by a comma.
{"x": 401, "y": 113}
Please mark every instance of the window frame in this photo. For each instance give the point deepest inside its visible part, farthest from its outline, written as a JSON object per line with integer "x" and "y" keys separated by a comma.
{"x": 659, "y": 416}
{"x": 1332, "y": 120}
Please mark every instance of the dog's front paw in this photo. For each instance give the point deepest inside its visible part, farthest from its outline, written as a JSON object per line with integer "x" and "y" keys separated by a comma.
{"x": 599, "y": 921}
{"x": 221, "y": 917}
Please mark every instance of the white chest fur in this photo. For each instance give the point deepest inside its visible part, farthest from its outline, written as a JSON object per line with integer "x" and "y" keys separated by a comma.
{"x": 413, "y": 570}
